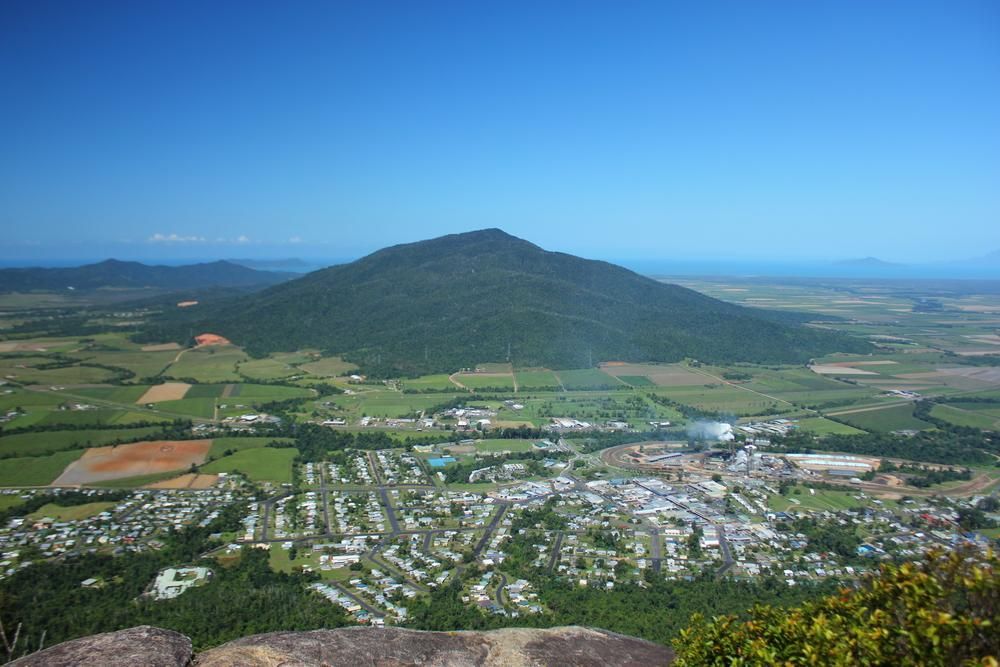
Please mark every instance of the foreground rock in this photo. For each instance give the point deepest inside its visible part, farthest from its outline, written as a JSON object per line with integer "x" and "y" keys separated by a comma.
{"x": 350, "y": 647}
{"x": 143, "y": 645}
{"x": 359, "y": 646}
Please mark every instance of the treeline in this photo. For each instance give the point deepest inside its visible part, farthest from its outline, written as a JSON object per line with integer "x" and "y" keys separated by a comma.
{"x": 458, "y": 473}
{"x": 955, "y": 445}
{"x": 316, "y": 443}
{"x": 654, "y": 609}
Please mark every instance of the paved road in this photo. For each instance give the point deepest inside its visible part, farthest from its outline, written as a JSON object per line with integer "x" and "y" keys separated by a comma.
{"x": 554, "y": 556}
{"x": 656, "y": 549}
{"x": 727, "y": 555}
{"x": 502, "y": 508}
{"x": 375, "y": 611}
{"x": 503, "y": 585}
{"x": 373, "y": 464}
{"x": 324, "y": 497}
{"x": 390, "y": 511}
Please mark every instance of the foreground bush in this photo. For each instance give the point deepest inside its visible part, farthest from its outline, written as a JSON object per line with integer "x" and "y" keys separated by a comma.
{"x": 941, "y": 611}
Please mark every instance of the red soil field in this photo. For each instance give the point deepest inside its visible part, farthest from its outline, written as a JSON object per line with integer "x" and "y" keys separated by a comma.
{"x": 100, "y": 464}
{"x": 210, "y": 339}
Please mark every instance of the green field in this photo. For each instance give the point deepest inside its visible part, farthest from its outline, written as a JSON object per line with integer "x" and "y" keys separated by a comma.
{"x": 586, "y": 378}
{"x": 267, "y": 369}
{"x": 72, "y": 513}
{"x": 329, "y": 367}
{"x": 47, "y": 442}
{"x": 429, "y": 382}
{"x": 221, "y": 445}
{"x": 266, "y": 464}
{"x": 821, "y": 426}
{"x": 194, "y": 407}
{"x": 500, "y": 445}
{"x": 637, "y": 380}
{"x": 206, "y": 391}
{"x": 8, "y": 500}
{"x": 482, "y": 381}
{"x": 895, "y": 418}
{"x": 99, "y": 417}
{"x": 962, "y": 417}
{"x": 528, "y": 379}
{"x": 129, "y": 394}
{"x": 265, "y": 392}
{"x": 36, "y": 470}
{"x": 214, "y": 363}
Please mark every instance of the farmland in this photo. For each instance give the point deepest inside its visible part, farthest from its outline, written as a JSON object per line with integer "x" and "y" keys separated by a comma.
{"x": 66, "y": 394}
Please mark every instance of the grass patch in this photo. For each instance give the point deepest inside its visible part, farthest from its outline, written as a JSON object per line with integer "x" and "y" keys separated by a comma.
{"x": 222, "y": 445}
{"x": 637, "y": 380}
{"x": 138, "y": 480}
{"x": 895, "y": 418}
{"x": 960, "y": 417}
{"x": 329, "y": 367}
{"x": 823, "y": 426}
{"x": 36, "y": 470}
{"x": 73, "y": 513}
{"x": 528, "y": 379}
{"x": 265, "y": 464}
{"x": 48, "y": 442}
{"x": 503, "y": 445}
{"x": 216, "y": 363}
{"x": 587, "y": 378}
{"x": 195, "y": 407}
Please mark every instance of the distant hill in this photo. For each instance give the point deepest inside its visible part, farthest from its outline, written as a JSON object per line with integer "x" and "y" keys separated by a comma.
{"x": 869, "y": 263}
{"x": 293, "y": 264}
{"x": 115, "y": 273}
{"x": 989, "y": 259}
{"x": 462, "y": 299}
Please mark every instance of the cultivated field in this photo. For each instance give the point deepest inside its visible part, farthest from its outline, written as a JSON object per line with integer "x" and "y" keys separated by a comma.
{"x": 143, "y": 458}
{"x": 663, "y": 375}
{"x": 168, "y": 391}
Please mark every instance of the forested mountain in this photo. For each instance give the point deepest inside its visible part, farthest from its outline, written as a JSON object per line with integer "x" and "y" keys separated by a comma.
{"x": 463, "y": 299}
{"x": 115, "y": 273}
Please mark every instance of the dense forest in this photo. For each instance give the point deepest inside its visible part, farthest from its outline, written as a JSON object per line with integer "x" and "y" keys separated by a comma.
{"x": 464, "y": 299}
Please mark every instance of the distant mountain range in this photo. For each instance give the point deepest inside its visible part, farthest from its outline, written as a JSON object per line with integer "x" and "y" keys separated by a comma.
{"x": 484, "y": 296}
{"x": 869, "y": 263}
{"x": 118, "y": 274}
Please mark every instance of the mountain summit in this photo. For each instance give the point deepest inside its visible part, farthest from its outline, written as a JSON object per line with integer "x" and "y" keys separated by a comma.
{"x": 464, "y": 299}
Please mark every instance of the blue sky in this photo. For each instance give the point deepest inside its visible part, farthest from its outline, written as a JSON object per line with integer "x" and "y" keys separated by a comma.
{"x": 778, "y": 130}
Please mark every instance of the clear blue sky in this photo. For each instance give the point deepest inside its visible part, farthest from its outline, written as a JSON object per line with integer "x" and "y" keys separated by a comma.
{"x": 607, "y": 129}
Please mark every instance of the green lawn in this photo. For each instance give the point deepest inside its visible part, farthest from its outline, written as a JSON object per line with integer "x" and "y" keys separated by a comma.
{"x": 221, "y": 445}
{"x": 214, "y": 363}
{"x": 36, "y": 470}
{"x": 46, "y": 442}
{"x": 126, "y": 395}
{"x": 195, "y": 407}
{"x": 72, "y": 513}
{"x": 500, "y": 445}
{"x": 961, "y": 417}
{"x": 895, "y": 418}
{"x": 329, "y": 367}
{"x": 822, "y": 426}
{"x": 637, "y": 380}
{"x": 267, "y": 369}
{"x": 8, "y": 500}
{"x": 482, "y": 381}
{"x": 587, "y": 378}
{"x": 440, "y": 381}
{"x": 265, "y": 464}
{"x": 528, "y": 379}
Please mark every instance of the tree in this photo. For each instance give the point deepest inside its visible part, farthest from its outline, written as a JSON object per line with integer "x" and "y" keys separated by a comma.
{"x": 941, "y": 611}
